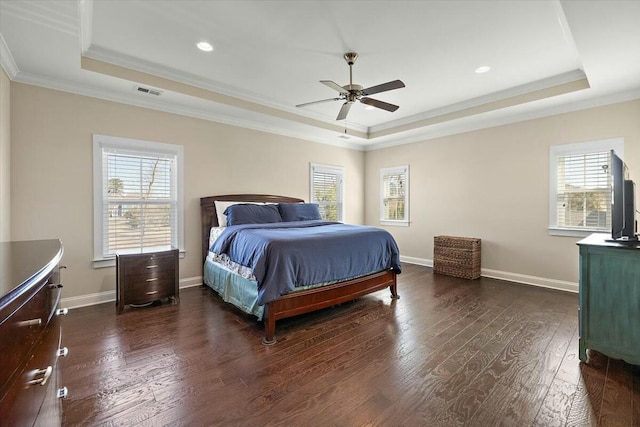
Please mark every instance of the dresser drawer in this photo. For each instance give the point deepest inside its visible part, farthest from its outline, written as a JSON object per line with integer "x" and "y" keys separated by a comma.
{"x": 30, "y": 331}
{"x": 25, "y": 396}
{"x": 21, "y": 330}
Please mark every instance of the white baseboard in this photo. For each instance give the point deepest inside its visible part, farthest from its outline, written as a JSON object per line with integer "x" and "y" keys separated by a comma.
{"x": 417, "y": 261}
{"x": 542, "y": 282}
{"x": 110, "y": 296}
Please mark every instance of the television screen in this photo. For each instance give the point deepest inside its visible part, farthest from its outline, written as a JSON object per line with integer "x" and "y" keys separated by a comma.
{"x": 622, "y": 201}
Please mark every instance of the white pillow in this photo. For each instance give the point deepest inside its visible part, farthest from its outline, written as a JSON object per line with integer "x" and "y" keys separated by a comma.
{"x": 222, "y": 206}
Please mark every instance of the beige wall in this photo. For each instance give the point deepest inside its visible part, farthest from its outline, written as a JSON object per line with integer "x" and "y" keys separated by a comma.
{"x": 51, "y": 175}
{"x": 493, "y": 184}
{"x": 5, "y": 157}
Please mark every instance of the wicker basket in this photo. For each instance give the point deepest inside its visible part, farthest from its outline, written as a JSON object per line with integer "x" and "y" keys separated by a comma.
{"x": 457, "y": 256}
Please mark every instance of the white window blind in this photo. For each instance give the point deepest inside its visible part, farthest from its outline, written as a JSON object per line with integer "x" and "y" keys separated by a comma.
{"x": 137, "y": 198}
{"x": 584, "y": 191}
{"x": 141, "y": 202}
{"x": 580, "y": 187}
{"x": 327, "y": 190}
{"x": 394, "y": 185}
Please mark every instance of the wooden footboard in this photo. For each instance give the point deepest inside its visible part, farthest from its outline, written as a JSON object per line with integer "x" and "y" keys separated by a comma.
{"x": 326, "y": 296}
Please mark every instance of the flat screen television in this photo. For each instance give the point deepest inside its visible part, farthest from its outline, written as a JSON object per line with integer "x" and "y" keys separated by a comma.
{"x": 623, "y": 209}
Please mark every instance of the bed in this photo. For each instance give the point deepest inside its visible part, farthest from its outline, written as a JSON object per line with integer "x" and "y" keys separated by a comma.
{"x": 245, "y": 293}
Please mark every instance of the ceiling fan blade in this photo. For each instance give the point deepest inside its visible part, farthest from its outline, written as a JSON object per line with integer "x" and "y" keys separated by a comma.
{"x": 396, "y": 84}
{"x": 379, "y": 104}
{"x": 344, "y": 111}
{"x": 335, "y": 86}
{"x": 318, "y": 102}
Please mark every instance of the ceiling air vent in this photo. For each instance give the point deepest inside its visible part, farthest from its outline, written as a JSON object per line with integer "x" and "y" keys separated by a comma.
{"x": 142, "y": 89}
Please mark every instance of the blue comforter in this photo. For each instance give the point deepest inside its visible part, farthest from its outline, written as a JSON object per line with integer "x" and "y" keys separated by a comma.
{"x": 289, "y": 254}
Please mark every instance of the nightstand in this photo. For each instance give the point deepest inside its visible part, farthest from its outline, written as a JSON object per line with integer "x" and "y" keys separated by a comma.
{"x": 146, "y": 277}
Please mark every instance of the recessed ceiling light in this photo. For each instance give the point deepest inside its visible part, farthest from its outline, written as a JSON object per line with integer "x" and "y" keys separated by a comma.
{"x": 205, "y": 46}
{"x": 483, "y": 69}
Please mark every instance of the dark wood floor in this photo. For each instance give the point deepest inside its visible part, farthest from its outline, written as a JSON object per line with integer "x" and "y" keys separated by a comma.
{"x": 449, "y": 352}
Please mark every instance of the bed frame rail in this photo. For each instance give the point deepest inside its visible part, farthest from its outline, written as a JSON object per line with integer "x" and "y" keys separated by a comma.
{"x": 309, "y": 300}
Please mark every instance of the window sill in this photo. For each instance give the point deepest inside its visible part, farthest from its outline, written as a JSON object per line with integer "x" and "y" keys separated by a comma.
{"x": 111, "y": 262}
{"x": 394, "y": 222}
{"x": 569, "y": 232}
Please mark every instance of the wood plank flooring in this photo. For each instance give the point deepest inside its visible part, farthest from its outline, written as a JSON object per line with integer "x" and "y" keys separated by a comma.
{"x": 449, "y": 352}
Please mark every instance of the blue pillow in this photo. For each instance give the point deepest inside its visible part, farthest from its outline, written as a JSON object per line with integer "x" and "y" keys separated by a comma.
{"x": 252, "y": 214}
{"x": 299, "y": 211}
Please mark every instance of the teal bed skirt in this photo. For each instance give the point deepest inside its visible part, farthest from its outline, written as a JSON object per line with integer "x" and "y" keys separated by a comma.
{"x": 234, "y": 289}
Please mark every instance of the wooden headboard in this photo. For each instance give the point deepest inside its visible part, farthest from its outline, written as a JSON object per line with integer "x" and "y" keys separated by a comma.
{"x": 209, "y": 217}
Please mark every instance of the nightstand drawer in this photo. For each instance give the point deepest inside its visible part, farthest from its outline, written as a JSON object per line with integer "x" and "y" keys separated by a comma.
{"x": 135, "y": 281}
{"x": 143, "y": 294}
{"x": 149, "y": 264}
{"x": 147, "y": 277}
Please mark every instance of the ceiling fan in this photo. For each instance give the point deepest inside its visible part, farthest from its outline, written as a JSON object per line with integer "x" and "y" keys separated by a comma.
{"x": 351, "y": 93}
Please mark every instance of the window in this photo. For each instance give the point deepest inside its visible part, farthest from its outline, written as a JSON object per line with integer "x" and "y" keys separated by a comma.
{"x": 580, "y": 187}
{"x": 394, "y": 198}
{"x": 137, "y": 197}
{"x": 327, "y": 190}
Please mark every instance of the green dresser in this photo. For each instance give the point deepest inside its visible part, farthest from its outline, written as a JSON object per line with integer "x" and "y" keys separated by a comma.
{"x": 609, "y": 312}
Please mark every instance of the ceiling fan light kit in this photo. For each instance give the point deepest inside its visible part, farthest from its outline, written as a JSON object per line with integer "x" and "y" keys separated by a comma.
{"x": 352, "y": 92}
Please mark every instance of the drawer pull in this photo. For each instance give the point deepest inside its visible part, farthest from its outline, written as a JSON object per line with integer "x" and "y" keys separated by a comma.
{"x": 62, "y": 392}
{"x": 152, "y": 266}
{"x": 152, "y": 292}
{"x": 62, "y": 311}
{"x": 62, "y": 352}
{"x": 152, "y": 280}
{"x": 46, "y": 373}
{"x": 31, "y": 322}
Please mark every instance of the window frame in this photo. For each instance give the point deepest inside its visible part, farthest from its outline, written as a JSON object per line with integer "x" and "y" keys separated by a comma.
{"x": 604, "y": 145}
{"x": 388, "y": 171}
{"x": 134, "y": 146}
{"x": 329, "y": 169}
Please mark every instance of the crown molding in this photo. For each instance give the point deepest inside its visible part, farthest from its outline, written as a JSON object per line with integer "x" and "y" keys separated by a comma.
{"x": 461, "y": 125}
{"x": 109, "y": 56}
{"x": 85, "y": 19}
{"x": 154, "y": 104}
{"x": 464, "y": 125}
{"x": 494, "y": 97}
{"x": 44, "y": 13}
{"x": 6, "y": 60}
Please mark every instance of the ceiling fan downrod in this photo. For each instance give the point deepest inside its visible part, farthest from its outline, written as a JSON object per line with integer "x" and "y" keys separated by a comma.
{"x": 350, "y": 57}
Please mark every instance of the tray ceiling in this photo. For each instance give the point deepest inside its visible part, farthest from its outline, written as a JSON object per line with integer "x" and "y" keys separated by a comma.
{"x": 546, "y": 57}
